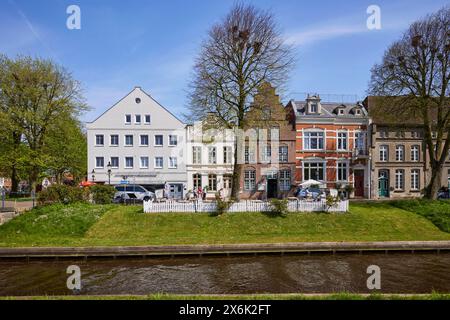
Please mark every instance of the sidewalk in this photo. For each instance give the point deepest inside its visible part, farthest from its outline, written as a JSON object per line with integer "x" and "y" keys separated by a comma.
{"x": 226, "y": 249}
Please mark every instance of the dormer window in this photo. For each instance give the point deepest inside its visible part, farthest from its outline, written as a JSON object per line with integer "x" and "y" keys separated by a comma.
{"x": 358, "y": 112}
{"x": 341, "y": 111}
{"x": 313, "y": 108}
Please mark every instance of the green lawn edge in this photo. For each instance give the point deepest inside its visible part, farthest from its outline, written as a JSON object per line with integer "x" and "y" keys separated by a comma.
{"x": 294, "y": 296}
{"x": 84, "y": 225}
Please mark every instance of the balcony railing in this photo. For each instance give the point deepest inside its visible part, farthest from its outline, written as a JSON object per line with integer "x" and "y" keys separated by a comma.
{"x": 360, "y": 153}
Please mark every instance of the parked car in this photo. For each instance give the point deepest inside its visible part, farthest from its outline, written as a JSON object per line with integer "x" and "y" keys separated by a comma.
{"x": 133, "y": 192}
{"x": 444, "y": 193}
{"x": 314, "y": 193}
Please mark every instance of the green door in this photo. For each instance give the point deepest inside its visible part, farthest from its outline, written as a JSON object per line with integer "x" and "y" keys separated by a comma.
{"x": 383, "y": 184}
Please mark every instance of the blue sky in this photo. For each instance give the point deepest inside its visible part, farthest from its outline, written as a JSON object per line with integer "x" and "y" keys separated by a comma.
{"x": 153, "y": 44}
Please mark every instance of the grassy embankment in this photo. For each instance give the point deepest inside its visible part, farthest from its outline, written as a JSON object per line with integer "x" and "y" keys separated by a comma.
{"x": 109, "y": 225}
{"x": 338, "y": 296}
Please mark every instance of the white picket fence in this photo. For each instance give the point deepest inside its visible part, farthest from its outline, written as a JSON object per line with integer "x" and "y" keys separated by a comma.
{"x": 242, "y": 206}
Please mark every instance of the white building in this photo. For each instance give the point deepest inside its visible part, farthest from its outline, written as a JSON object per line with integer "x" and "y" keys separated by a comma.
{"x": 140, "y": 142}
{"x": 209, "y": 159}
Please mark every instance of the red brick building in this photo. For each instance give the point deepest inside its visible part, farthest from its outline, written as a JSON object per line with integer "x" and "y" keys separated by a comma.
{"x": 331, "y": 144}
{"x": 268, "y": 155}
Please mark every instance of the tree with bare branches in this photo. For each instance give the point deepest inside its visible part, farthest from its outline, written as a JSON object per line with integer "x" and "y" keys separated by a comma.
{"x": 414, "y": 76}
{"x": 241, "y": 53}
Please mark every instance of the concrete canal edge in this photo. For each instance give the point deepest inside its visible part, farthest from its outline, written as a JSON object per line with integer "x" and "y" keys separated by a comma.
{"x": 224, "y": 249}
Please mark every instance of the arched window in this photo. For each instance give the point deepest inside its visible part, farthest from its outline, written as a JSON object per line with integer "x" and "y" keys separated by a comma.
{"x": 249, "y": 180}
{"x": 197, "y": 181}
{"x": 212, "y": 182}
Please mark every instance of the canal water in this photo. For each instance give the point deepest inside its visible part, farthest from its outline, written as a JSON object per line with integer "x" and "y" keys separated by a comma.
{"x": 315, "y": 273}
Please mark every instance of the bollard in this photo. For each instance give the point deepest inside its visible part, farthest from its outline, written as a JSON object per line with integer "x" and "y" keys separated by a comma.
{"x": 33, "y": 194}
{"x": 3, "y": 197}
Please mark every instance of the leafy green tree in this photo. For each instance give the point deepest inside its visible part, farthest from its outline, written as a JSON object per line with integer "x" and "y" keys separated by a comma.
{"x": 66, "y": 149}
{"x": 35, "y": 96}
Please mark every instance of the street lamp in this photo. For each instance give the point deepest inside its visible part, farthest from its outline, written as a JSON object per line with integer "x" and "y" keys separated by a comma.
{"x": 93, "y": 175}
{"x": 109, "y": 172}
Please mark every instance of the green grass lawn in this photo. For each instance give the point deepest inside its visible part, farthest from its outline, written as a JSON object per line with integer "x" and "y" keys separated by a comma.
{"x": 90, "y": 225}
{"x": 437, "y": 212}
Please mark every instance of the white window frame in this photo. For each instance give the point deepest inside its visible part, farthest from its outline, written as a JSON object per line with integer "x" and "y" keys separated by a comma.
{"x": 415, "y": 153}
{"x": 96, "y": 141}
{"x": 319, "y": 136}
{"x": 162, "y": 140}
{"x": 141, "y": 162}
{"x": 285, "y": 180}
{"x": 319, "y": 164}
{"x": 342, "y": 141}
{"x": 156, "y": 166}
{"x": 399, "y": 180}
{"x": 342, "y": 167}
{"x": 131, "y": 119}
{"x": 125, "y": 140}
{"x": 196, "y": 180}
{"x": 140, "y": 140}
{"x": 171, "y": 144}
{"x": 96, "y": 162}
{"x": 145, "y": 119}
{"x": 111, "y": 161}
{"x": 266, "y": 154}
{"x": 399, "y": 153}
{"x": 136, "y": 119}
{"x": 173, "y": 162}
{"x": 415, "y": 179}
{"x": 196, "y": 155}
{"x": 384, "y": 153}
{"x": 249, "y": 180}
{"x": 283, "y": 154}
{"x": 227, "y": 155}
{"x": 110, "y": 140}
{"x": 212, "y": 182}
{"x": 212, "y": 155}
{"x": 249, "y": 156}
{"x": 125, "y": 163}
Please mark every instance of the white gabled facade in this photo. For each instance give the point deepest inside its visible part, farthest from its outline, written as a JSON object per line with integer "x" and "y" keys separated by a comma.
{"x": 144, "y": 143}
{"x": 209, "y": 159}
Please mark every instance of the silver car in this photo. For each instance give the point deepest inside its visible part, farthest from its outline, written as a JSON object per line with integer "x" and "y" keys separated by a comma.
{"x": 133, "y": 192}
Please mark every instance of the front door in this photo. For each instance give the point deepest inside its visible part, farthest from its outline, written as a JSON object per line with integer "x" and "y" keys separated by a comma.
{"x": 272, "y": 188}
{"x": 359, "y": 183}
{"x": 176, "y": 191}
{"x": 383, "y": 184}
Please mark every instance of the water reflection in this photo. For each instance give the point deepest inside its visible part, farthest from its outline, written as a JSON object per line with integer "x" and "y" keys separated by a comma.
{"x": 400, "y": 273}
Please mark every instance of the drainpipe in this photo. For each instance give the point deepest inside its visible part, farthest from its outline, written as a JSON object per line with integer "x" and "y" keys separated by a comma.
{"x": 369, "y": 151}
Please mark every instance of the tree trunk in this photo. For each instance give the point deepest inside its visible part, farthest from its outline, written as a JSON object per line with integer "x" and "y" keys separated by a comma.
{"x": 34, "y": 175}
{"x": 434, "y": 184}
{"x": 236, "y": 181}
{"x": 14, "y": 180}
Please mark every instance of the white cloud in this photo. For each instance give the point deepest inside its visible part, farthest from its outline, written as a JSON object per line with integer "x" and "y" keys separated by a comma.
{"x": 321, "y": 33}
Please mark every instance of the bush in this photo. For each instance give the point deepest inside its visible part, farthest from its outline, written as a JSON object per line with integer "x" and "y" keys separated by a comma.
{"x": 279, "y": 207}
{"x": 102, "y": 194}
{"x": 222, "y": 205}
{"x": 331, "y": 202}
{"x": 59, "y": 193}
